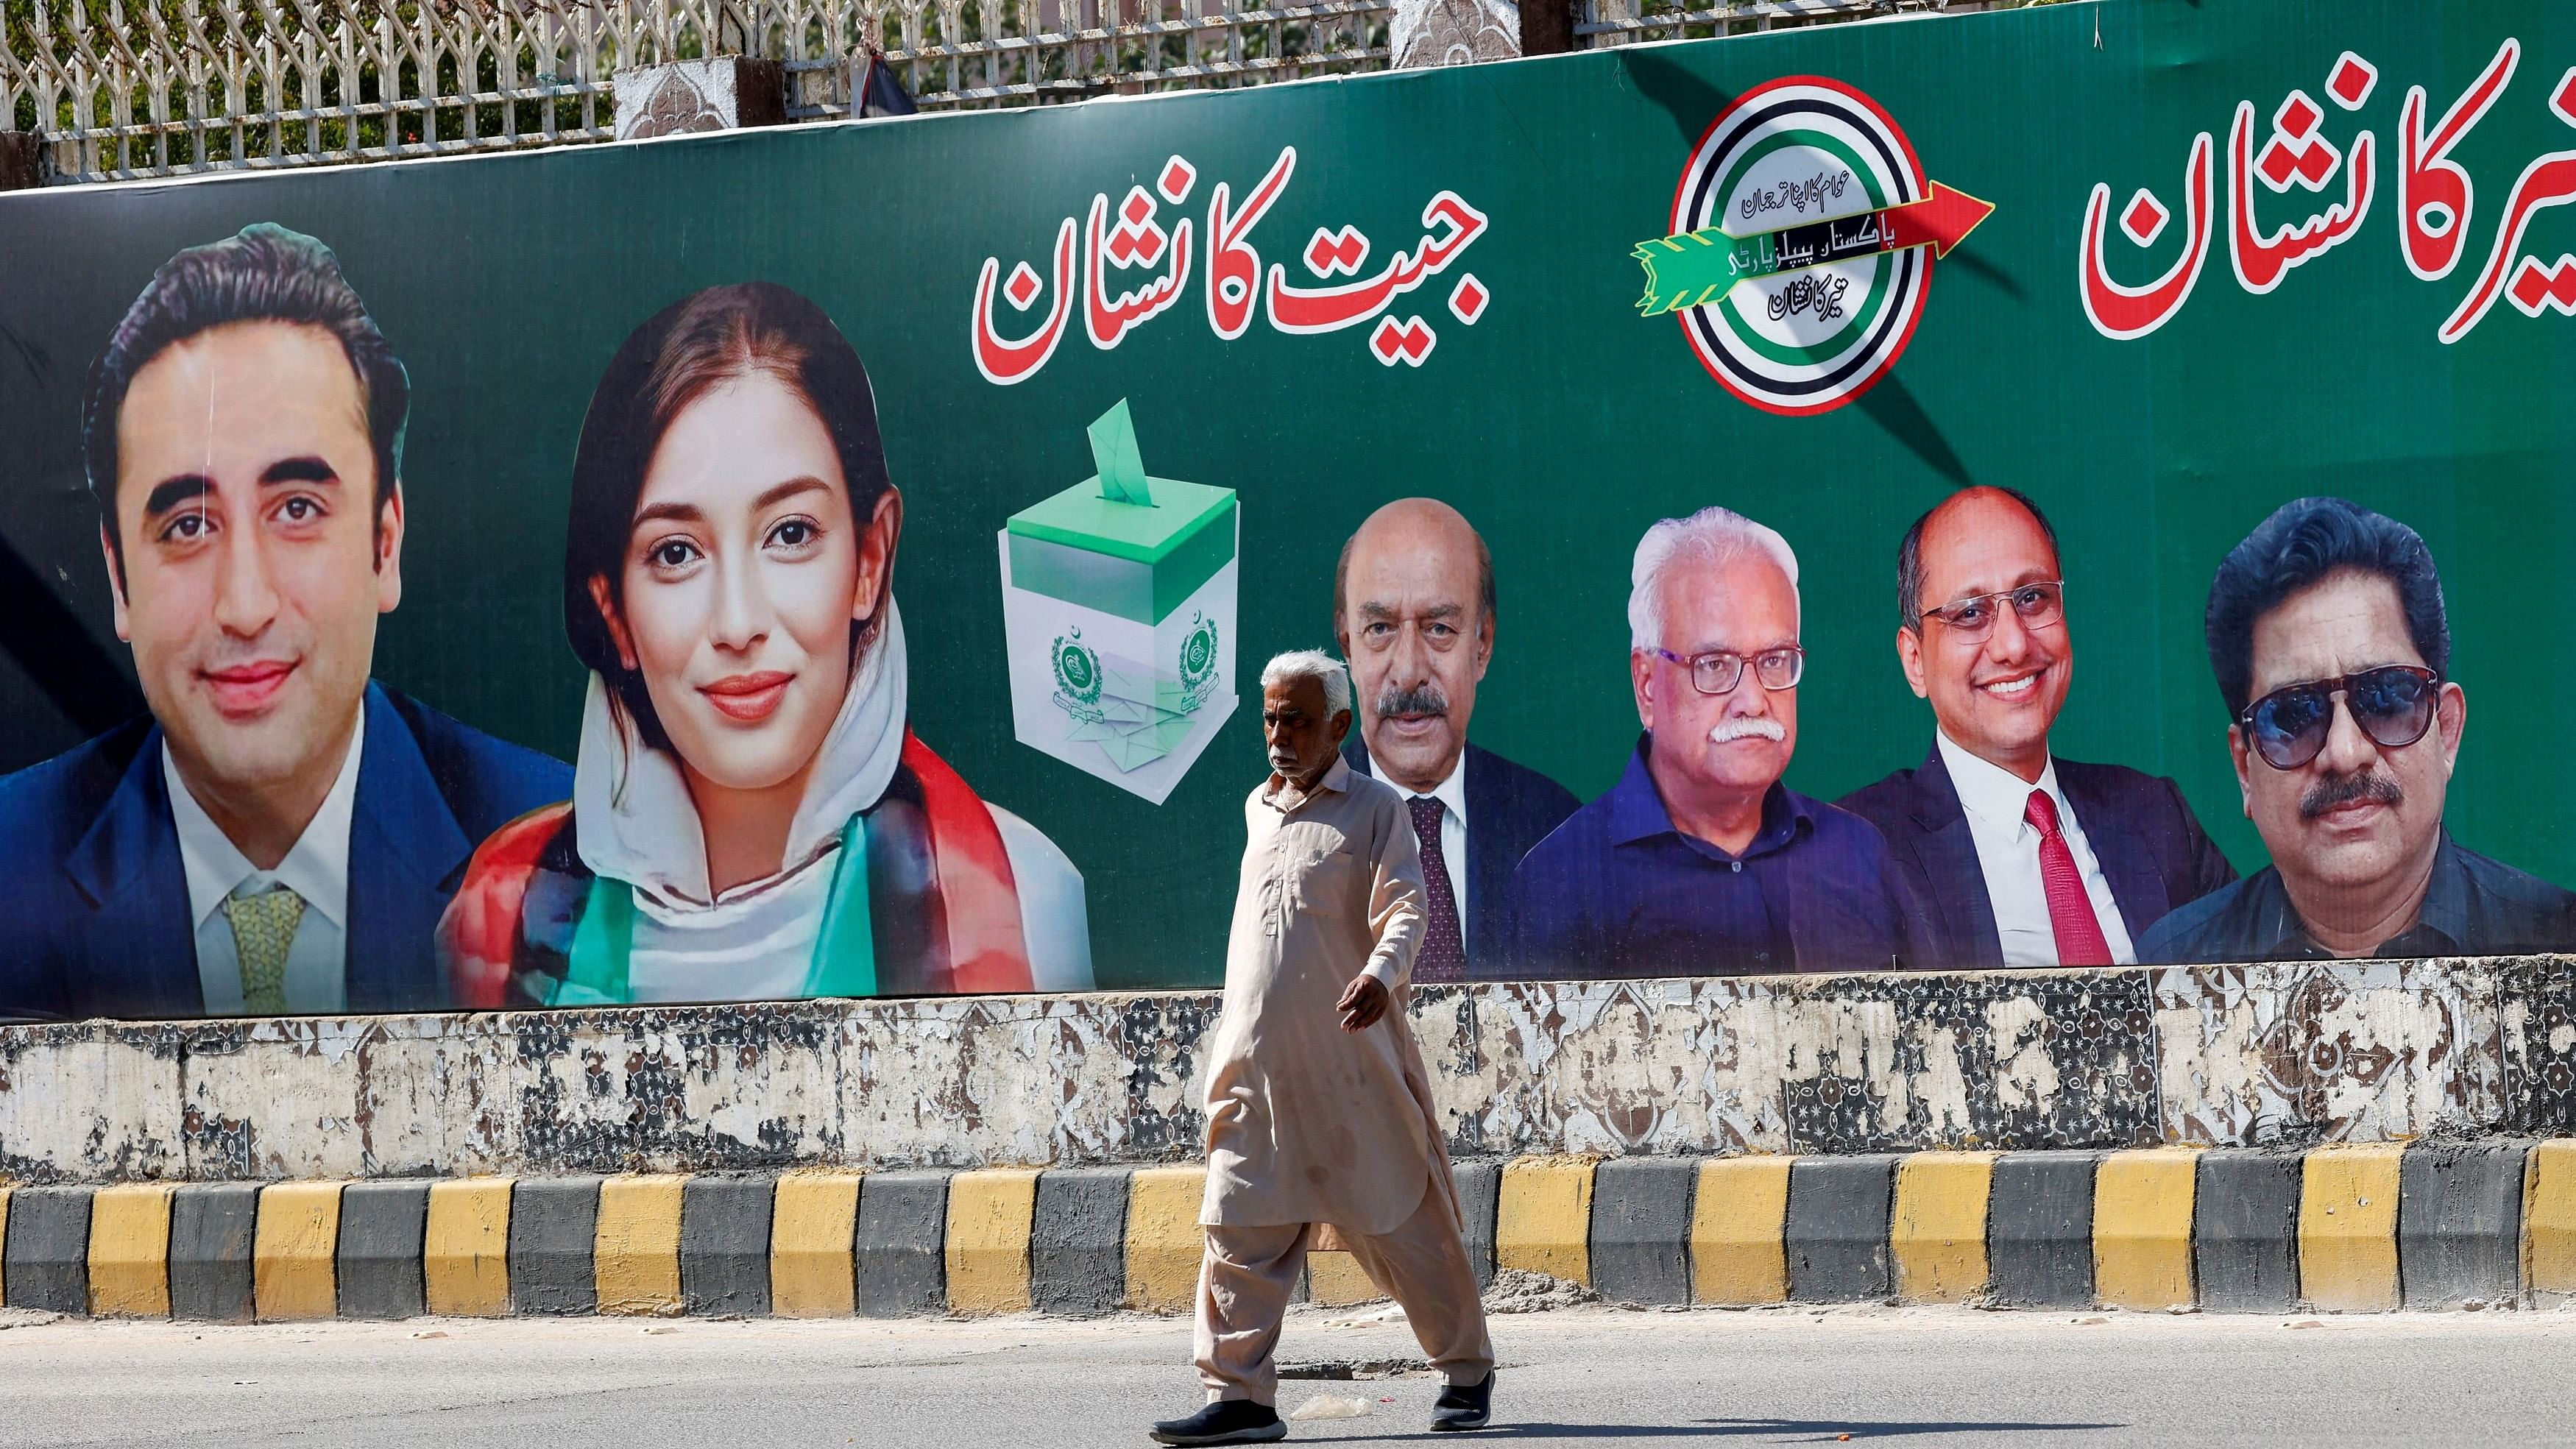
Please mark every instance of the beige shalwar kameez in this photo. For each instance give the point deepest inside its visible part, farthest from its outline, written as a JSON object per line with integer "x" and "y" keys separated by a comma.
{"x": 1310, "y": 1125}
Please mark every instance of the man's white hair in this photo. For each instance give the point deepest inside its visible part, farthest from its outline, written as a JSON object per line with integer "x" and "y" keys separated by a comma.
{"x": 1312, "y": 664}
{"x": 1713, "y": 537}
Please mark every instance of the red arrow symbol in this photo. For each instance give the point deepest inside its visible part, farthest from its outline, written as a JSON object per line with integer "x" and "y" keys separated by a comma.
{"x": 1699, "y": 267}
{"x": 1940, "y": 221}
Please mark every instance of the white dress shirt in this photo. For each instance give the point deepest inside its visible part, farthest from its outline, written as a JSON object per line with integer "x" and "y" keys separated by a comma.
{"x": 1452, "y": 795}
{"x": 1997, "y": 802}
{"x": 317, "y": 868}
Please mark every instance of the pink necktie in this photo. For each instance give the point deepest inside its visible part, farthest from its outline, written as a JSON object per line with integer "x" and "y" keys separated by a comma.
{"x": 2070, "y": 909}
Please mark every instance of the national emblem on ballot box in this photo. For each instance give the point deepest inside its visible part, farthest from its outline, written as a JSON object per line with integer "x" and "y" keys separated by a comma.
{"x": 1118, "y": 602}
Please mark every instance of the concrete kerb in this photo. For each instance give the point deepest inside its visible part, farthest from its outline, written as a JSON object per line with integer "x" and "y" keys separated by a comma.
{"x": 1836, "y": 1234}
{"x": 1078, "y": 1241}
{"x": 47, "y": 1256}
{"x": 1164, "y": 1240}
{"x": 901, "y": 1244}
{"x": 2144, "y": 1201}
{"x": 992, "y": 1213}
{"x": 129, "y": 1251}
{"x": 2549, "y": 1223}
{"x": 2341, "y": 1228}
{"x": 635, "y": 1244}
{"x": 2039, "y": 1230}
{"x": 2348, "y": 1199}
{"x": 1641, "y": 1224}
{"x": 1480, "y": 1190}
{"x": 211, "y": 1232}
{"x": 1543, "y": 1217}
{"x": 1739, "y": 1223}
{"x": 554, "y": 1226}
{"x": 813, "y": 1231}
{"x": 724, "y": 1245}
{"x": 383, "y": 1229}
{"x": 1936, "y": 1234}
{"x": 2459, "y": 1223}
{"x": 465, "y": 1249}
{"x": 295, "y": 1246}
{"x": 2245, "y": 1231}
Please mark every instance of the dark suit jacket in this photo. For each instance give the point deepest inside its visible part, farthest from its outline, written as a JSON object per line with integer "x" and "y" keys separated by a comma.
{"x": 1509, "y": 809}
{"x": 2152, "y": 850}
{"x": 98, "y": 899}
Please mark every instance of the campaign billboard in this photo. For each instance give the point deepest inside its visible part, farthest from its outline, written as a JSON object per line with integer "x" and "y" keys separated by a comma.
{"x": 839, "y": 560}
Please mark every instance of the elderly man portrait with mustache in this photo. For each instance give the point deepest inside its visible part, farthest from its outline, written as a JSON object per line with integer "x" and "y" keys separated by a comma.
{"x": 1699, "y": 861}
{"x": 1414, "y": 611}
{"x": 2332, "y": 649}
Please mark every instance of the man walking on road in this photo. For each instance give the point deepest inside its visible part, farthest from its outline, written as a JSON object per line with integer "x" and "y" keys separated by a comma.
{"x": 1319, "y": 1110}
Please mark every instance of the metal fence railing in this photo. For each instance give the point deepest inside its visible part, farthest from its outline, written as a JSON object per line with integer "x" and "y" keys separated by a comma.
{"x": 169, "y": 87}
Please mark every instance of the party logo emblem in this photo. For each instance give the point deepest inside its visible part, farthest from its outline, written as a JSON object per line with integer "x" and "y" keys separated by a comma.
{"x": 1796, "y": 256}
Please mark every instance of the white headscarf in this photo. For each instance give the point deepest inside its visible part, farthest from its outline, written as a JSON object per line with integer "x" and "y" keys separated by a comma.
{"x": 636, "y": 823}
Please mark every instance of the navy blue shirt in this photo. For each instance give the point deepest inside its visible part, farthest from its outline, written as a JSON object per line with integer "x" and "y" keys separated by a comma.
{"x": 1618, "y": 891}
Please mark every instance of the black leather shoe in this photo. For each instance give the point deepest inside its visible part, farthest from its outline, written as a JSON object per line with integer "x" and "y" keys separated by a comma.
{"x": 1228, "y": 1421}
{"x": 1464, "y": 1406}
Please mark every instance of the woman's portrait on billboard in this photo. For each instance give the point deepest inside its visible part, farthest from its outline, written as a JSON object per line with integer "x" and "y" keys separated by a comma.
{"x": 752, "y": 816}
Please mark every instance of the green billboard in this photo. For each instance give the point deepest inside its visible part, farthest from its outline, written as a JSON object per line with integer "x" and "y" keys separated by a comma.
{"x": 839, "y": 560}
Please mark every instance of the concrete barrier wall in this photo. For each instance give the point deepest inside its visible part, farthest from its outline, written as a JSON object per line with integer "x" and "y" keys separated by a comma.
{"x": 2282, "y": 1054}
{"x": 2360, "y": 1228}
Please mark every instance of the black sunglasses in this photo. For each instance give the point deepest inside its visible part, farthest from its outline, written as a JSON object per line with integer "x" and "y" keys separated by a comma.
{"x": 2393, "y": 705}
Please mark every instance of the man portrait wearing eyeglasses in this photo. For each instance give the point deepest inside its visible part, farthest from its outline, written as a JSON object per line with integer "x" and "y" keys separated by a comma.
{"x": 2017, "y": 858}
{"x": 1699, "y": 861}
{"x": 2327, "y": 633}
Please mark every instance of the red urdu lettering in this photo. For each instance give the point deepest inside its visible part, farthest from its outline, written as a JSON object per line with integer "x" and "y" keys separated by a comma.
{"x": 2550, "y": 180}
{"x": 1001, "y": 360}
{"x": 2432, "y": 187}
{"x": 1328, "y": 309}
{"x": 1111, "y": 319}
{"x": 2260, "y": 260}
{"x": 1234, "y": 268}
{"x": 2123, "y": 312}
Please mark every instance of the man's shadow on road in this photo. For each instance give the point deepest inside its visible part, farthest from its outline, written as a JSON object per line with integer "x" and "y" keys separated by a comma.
{"x": 1817, "y": 1431}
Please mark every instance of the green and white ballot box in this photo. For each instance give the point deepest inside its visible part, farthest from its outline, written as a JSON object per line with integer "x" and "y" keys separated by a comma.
{"x": 1118, "y": 600}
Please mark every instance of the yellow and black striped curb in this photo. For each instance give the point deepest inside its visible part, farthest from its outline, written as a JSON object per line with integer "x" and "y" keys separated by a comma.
{"x": 2348, "y": 1228}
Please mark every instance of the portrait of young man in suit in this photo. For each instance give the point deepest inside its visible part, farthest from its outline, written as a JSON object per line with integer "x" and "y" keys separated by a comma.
{"x": 280, "y": 835}
{"x": 2016, "y": 857}
{"x": 1414, "y": 613}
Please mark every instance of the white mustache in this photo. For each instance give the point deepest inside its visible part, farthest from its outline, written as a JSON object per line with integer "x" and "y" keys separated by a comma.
{"x": 1747, "y": 727}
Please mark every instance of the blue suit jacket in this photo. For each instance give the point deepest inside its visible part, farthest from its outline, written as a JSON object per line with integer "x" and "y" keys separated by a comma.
{"x": 98, "y": 900}
{"x": 2152, "y": 851}
{"x": 1509, "y": 809}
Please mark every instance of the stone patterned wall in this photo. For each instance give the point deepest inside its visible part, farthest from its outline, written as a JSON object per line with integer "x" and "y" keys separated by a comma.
{"x": 2287, "y": 1053}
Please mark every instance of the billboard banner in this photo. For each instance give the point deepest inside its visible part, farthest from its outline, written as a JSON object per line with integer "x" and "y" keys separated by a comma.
{"x": 840, "y": 560}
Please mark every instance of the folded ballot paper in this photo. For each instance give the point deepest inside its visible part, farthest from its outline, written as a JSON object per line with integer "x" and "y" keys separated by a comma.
{"x": 1118, "y": 602}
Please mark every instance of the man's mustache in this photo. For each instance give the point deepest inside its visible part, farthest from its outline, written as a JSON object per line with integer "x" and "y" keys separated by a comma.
{"x": 1424, "y": 699}
{"x": 1747, "y": 727}
{"x": 2345, "y": 790}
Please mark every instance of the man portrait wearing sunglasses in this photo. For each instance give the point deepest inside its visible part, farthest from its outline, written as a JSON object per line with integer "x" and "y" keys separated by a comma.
{"x": 2326, "y": 631}
{"x": 1699, "y": 861}
{"x": 2017, "y": 858}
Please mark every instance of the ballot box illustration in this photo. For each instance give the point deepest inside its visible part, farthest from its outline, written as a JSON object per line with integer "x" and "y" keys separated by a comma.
{"x": 1118, "y": 602}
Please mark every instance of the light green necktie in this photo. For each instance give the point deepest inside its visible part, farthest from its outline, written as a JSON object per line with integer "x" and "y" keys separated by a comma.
{"x": 263, "y": 928}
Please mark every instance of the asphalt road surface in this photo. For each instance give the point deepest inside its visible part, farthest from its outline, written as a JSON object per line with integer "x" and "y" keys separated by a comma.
{"x": 1580, "y": 1376}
